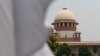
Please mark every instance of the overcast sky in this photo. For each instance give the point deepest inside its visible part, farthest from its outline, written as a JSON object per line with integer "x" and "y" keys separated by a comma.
{"x": 87, "y": 13}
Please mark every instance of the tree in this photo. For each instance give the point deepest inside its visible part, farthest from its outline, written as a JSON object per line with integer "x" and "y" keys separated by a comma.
{"x": 64, "y": 50}
{"x": 53, "y": 42}
{"x": 95, "y": 49}
{"x": 84, "y": 51}
{"x": 57, "y": 48}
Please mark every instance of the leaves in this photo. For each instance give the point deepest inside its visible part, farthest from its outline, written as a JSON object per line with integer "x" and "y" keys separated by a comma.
{"x": 53, "y": 42}
{"x": 57, "y": 48}
{"x": 64, "y": 50}
{"x": 95, "y": 49}
{"x": 84, "y": 51}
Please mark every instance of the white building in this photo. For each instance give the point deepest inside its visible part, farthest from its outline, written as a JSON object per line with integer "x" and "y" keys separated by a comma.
{"x": 65, "y": 26}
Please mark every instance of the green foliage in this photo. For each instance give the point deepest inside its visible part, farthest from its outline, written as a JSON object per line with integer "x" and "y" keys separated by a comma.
{"x": 63, "y": 50}
{"x": 95, "y": 49}
{"x": 84, "y": 51}
{"x": 53, "y": 42}
{"x": 57, "y": 48}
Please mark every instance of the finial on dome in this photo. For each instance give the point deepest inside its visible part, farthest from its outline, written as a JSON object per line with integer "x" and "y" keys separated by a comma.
{"x": 64, "y": 8}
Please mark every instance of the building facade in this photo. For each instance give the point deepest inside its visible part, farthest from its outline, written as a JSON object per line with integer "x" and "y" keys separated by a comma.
{"x": 66, "y": 30}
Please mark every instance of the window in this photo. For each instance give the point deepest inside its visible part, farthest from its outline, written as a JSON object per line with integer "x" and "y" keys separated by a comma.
{"x": 70, "y": 24}
{"x": 61, "y": 24}
{"x": 57, "y": 24}
{"x": 66, "y": 24}
{"x": 73, "y": 24}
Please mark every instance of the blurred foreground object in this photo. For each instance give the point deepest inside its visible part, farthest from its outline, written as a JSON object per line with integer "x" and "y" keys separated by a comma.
{"x": 30, "y": 32}
{"x": 22, "y": 26}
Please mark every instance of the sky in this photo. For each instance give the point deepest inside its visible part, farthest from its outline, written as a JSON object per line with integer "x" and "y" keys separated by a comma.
{"x": 87, "y": 14}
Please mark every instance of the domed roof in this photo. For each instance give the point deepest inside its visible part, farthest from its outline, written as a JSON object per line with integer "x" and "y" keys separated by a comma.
{"x": 65, "y": 14}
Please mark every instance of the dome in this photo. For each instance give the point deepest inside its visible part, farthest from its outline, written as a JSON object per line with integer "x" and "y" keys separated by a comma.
{"x": 65, "y": 14}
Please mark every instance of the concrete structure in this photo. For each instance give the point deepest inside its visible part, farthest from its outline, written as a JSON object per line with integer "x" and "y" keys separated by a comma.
{"x": 66, "y": 30}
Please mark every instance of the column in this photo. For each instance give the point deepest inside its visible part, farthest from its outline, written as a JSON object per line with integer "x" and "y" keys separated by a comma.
{"x": 67, "y": 24}
{"x": 58, "y": 24}
{"x": 72, "y": 25}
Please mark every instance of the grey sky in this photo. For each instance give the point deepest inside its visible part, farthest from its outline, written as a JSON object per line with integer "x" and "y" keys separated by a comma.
{"x": 87, "y": 13}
